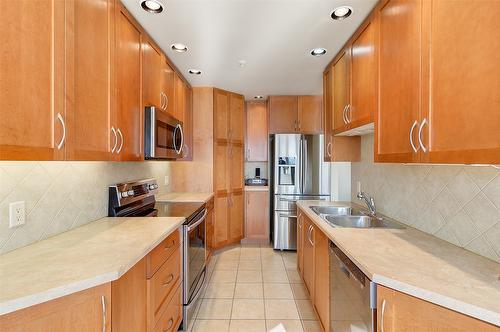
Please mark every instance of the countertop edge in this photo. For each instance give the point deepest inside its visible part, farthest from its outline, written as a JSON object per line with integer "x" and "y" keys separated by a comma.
{"x": 183, "y": 199}
{"x": 421, "y": 293}
{"x": 81, "y": 285}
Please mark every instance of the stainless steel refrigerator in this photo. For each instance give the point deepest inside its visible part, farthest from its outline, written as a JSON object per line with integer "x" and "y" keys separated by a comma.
{"x": 298, "y": 173}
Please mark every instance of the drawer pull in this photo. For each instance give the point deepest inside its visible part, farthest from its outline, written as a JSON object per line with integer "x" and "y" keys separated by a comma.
{"x": 171, "y": 245}
{"x": 168, "y": 281}
{"x": 170, "y": 323}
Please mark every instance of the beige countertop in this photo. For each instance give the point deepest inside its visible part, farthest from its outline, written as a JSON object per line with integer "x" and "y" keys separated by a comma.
{"x": 420, "y": 265}
{"x": 87, "y": 256}
{"x": 184, "y": 197}
{"x": 256, "y": 188}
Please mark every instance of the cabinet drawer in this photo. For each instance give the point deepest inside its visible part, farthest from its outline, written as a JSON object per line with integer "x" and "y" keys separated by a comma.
{"x": 170, "y": 319}
{"x": 162, "y": 252}
{"x": 163, "y": 284}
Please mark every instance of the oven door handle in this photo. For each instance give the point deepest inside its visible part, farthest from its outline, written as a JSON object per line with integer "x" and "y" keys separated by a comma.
{"x": 196, "y": 224}
{"x": 197, "y": 293}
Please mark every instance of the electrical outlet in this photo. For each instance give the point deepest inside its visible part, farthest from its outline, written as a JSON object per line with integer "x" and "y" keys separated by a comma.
{"x": 167, "y": 180}
{"x": 17, "y": 214}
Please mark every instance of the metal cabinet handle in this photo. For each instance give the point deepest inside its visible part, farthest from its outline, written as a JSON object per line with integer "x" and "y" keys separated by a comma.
{"x": 103, "y": 304}
{"x": 248, "y": 153}
{"x": 415, "y": 149}
{"x": 298, "y": 124}
{"x": 166, "y": 101}
{"x": 121, "y": 140}
{"x": 328, "y": 149}
{"x": 348, "y": 113}
{"x": 63, "y": 138}
{"x": 420, "y": 141}
{"x": 167, "y": 247}
{"x": 309, "y": 235}
{"x": 116, "y": 139}
{"x": 169, "y": 326}
{"x": 161, "y": 100}
{"x": 344, "y": 114}
{"x": 382, "y": 317}
{"x": 168, "y": 280}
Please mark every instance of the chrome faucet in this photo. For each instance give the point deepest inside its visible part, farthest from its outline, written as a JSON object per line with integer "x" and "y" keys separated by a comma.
{"x": 370, "y": 202}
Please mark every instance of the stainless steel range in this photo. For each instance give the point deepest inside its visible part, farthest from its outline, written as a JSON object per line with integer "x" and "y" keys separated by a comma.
{"x": 137, "y": 199}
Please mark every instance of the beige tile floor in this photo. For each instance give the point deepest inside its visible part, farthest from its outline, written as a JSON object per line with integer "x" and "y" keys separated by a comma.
{"x": 254, "y": 289}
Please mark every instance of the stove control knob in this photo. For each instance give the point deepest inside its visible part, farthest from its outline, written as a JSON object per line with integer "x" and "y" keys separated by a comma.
{"x": 152, "y": 187}
{"x": 124, "y": 194}
{"x": 130, "y": 193}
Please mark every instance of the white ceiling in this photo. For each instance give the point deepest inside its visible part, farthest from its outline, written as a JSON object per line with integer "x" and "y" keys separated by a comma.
{"x": 274, "y": 37}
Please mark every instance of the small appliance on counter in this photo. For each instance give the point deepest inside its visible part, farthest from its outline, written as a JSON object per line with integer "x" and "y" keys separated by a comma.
{"x": 257, "y": 180}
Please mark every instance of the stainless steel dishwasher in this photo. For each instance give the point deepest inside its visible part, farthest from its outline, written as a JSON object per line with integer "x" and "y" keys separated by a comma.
{"x": 353, "y": 301}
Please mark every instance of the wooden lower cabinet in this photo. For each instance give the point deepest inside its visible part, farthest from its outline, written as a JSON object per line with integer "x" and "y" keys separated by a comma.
{"x": 400, "y": 312}
{"x": 313, "y": 264}
{"x": 236, "y": 212}
{"x": 88, "y": 310}
{"x": 257, "y": 216}
{"x": 210, "y": 229}
{"x": 171, "y": 318}
{"x": 221, "y": 222}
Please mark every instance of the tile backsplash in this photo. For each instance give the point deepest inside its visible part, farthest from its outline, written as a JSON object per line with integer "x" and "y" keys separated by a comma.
{"x": 60, "y": 196}
{"x": 457, "y": 203}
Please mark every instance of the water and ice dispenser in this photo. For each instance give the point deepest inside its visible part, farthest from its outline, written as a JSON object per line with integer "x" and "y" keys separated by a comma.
{"x": 287, "y": 171}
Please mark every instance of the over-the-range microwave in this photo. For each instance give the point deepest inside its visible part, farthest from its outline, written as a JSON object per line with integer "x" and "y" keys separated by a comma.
{"x": 163, "y": 135}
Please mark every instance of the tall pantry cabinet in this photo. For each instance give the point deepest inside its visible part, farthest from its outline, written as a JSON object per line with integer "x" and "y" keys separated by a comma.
{"x": 228, "y": 167}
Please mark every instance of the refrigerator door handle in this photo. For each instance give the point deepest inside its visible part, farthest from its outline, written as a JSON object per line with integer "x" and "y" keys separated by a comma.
{"x": 299, "y": 162}
{"x": 304, "y": 165}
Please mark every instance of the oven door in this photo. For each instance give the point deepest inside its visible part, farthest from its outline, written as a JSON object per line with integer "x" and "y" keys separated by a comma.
{"x": 194, "y": 255}
{"x": 163, "y": 135}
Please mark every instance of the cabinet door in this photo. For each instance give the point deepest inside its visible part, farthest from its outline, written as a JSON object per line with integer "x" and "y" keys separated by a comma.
{"x": 300, "y": 242}
{"x": 236, "y": 118}
{"x": 256, "y": 131}
{"x": 403, "y": 313}
{"x": 88, "y": 80}
{"x": 341, "y": 94}
{"x": 221, "y": 115}
{"x": 399, "y": 81}
{"x": 310, "y": 112}
{"x": 82, "y": 311}
{"x": 463, "y": 118}
{"x": 321, "y": 278}
{"x": 179, "y": 109}
{"x": 328, "y": 113}
{"x": 221, "y": 222}
{"x": 151, "y": 74}
{"x": 308, "y": 272}
{"x": 128, "y": 81}
{"x": 236, "y": 216}
{"x": 187, "y": 153}
{"x": 236, "y": 167}
{"x": 257, "y": 215}
{"x": 363, "y": 77}
{"x": 210, "y": 232}
{"x": 222, "y": 180}
{"x": 282, "y": 114}
{"x": 167, "y": 85}
{"x": 31, "y": 80}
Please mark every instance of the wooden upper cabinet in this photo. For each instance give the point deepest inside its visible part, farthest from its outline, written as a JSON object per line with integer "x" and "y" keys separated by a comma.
{"x": 87, "y": 310}
{"x": 282, "y": 114}
{"x": 257, "y": 215}
{"x": 363, "y": 77}
{"x": 221, "y": 115}
{"x": 151, "y": 75}
{"x": 187, "y": 153}
{"x": 88, "y": 81}
{"x": 328, "y": 113}
{"x": 32, "y": 80}
{"x": 403, "y": 313}
{"x": 310, "y": 112}
{"x": 341, "y": 91}
{"x": 256, "y": 131}
{"x": 236, "y": 118}
{"x": 128, "y": 81}
{"x": 179, "y": 109}
{"x": 399, "y": 65}
{"x": 167, "y": 82}
{"x": 462, "y": 123}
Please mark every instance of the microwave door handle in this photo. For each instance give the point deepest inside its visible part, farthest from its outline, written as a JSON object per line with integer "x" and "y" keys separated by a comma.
{"x": 178, "y": 127}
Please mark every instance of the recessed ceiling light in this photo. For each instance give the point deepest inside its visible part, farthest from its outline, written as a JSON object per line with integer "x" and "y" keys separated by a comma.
{"x": 258, "y": 97}
{"x": 152, "y": 6}
{"x": 195, "y": 71}
{"x": 318, "y": 51}
{"x": 341, "y": 12}
{"x": 178, "y": 47}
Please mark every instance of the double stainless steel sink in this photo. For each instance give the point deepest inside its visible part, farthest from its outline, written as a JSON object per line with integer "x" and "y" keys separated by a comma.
{"x": 348, "y": 217}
